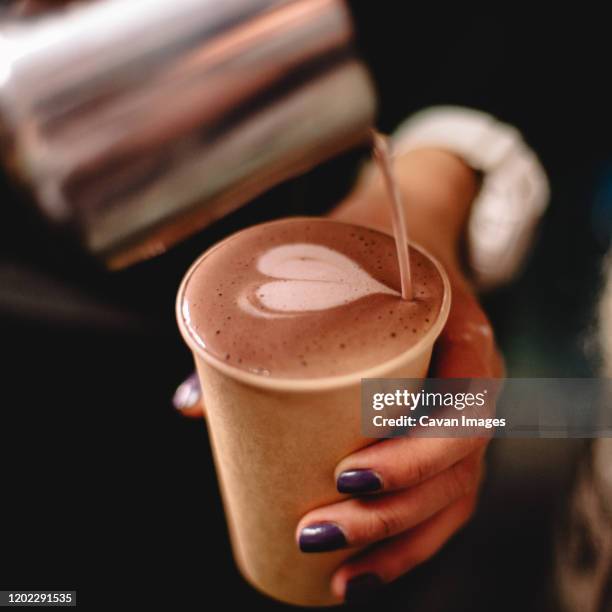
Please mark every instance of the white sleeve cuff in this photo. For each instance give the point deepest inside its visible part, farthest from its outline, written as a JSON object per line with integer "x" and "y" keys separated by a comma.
{"x": 514, "y": 193}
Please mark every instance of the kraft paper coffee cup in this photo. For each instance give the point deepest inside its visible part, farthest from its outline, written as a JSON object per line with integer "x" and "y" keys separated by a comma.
{"x": 276, "y": 443}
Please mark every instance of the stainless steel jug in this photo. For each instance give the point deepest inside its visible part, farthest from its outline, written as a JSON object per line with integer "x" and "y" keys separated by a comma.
{"x": 134, "y": 123}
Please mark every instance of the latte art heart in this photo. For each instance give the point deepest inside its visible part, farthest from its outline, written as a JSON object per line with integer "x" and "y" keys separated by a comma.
{"x": 309, "y": 277}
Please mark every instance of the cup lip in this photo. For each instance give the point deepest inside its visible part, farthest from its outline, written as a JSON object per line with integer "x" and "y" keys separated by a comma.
{"x": 272, "y": 383}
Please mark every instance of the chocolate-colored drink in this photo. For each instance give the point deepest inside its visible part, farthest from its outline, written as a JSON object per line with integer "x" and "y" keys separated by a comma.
{"x": 308, "y": 298}
{"x": 284, "y": 319}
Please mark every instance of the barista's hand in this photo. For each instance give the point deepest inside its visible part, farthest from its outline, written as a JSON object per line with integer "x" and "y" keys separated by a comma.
{"x": 420, "y": 491}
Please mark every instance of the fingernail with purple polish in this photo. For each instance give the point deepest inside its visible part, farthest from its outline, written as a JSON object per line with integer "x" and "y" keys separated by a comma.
{"x": 359, "y": 481}
{"x": 188, "y": 393}
{"x": 321, "y": 537}
{"x": 361, "y": 588}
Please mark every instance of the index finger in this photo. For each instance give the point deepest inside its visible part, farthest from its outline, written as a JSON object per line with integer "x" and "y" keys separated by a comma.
{"x": 403, "y": 462}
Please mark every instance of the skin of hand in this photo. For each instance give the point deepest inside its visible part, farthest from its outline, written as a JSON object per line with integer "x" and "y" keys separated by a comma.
{"x": 428, "y": 486}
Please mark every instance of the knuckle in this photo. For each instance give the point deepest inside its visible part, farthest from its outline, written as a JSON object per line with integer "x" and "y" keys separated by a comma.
{"x": 381, "y": 524}
{"x": 462, "y": 479}
{"x": 417, "y": 470}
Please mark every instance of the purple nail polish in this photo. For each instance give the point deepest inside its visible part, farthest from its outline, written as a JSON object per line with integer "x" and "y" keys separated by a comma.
{"x": 321, "y": 537}
{"x": 361, "y": 588}
{"x": 359, "y": 481}
{"x": 188, "y": 393}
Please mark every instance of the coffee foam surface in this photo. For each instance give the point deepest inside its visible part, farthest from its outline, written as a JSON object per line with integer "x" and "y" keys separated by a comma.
{"x": 308, "y": 298}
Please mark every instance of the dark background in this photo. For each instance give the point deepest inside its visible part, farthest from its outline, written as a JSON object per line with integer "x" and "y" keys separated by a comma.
{"x": 105, "y": 489}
